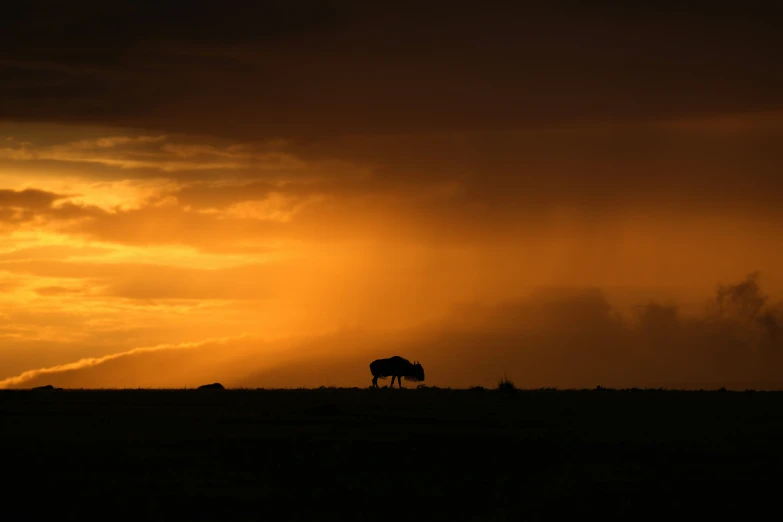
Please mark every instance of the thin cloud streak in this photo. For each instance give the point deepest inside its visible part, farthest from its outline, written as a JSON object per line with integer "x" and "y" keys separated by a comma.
{"x": 96, "y": 361}
{"x": 152, "y": 152}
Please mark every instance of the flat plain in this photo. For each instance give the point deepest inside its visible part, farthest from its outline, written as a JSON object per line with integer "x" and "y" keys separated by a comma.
{"x": 364, "y": 454}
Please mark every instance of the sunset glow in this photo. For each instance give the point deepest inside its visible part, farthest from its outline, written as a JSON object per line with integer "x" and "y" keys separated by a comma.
{"x": 200, "y": 218}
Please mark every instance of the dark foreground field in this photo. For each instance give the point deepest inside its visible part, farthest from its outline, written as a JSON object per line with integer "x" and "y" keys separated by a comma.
{"x": 351, "y": 454}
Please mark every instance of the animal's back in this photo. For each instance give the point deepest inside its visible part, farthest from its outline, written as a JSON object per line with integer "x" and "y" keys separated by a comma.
{"x": 386, "y": 367}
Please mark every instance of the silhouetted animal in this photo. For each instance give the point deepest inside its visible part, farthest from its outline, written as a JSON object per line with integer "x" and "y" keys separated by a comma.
{"x": 398, "y": 368}
{"x": 46, "y": 388}
{"x": 213, "y": 386}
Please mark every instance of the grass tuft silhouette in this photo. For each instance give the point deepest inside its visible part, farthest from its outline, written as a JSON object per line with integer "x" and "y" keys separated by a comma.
{"x": 506, "y": 385}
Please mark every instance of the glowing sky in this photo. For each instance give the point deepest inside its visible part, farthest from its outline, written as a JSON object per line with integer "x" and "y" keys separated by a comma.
{"x": 276, "y": 195}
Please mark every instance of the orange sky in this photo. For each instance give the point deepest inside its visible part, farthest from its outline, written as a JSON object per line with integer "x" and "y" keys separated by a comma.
{"x": 262, "y": 209}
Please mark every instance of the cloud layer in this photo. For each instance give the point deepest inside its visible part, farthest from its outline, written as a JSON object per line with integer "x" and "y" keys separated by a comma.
{"x": 317, "y": 68}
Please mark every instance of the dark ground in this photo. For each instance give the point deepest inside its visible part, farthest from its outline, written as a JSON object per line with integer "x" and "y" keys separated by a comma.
{"x": 426, "y": 454}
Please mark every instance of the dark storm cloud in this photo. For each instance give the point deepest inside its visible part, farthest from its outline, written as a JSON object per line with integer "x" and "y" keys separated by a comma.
{"x": 726, "y": 165}
{"x": 307, "y": 69}
{"x": 421, "y": 93}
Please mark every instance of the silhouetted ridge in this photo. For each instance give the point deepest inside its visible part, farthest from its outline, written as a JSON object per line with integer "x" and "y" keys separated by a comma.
{"x": 213, "y": 386}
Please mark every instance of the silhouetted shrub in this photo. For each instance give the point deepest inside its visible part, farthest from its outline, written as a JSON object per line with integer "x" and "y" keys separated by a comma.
{"x": 213, "y": 386}
{"x": 506, "y": 385}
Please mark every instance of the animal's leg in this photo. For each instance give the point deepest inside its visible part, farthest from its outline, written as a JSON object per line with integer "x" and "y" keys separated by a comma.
{"x": 399, "y": 381}
{"x": 374, "y": 381}
{"x": 392, "y": 383}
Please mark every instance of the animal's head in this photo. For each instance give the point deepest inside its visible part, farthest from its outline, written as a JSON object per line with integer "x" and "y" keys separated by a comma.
{"x": 418, "y": 371}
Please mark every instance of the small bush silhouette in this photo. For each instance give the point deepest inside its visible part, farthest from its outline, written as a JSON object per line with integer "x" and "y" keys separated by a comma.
{"x": 506, "y": 385}
{"x": 48, "y": 387}
{"x": 213, "y": 386}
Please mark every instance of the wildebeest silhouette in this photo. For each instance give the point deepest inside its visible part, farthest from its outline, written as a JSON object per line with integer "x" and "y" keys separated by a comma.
{"x": 213, "y": 386}
{"x": 398, "y": 367}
